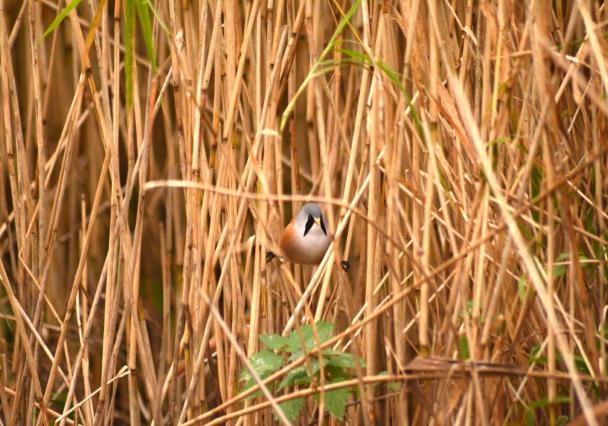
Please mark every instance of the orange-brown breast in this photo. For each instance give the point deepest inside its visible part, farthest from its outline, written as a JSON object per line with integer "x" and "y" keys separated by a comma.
{"x": 294, "y": 249}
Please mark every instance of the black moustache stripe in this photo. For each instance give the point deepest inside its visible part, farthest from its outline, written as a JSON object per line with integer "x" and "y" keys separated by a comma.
{"x": 309, "y": 223}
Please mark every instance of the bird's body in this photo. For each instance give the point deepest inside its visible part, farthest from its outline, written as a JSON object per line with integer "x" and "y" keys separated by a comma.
{"x": 305, "y": 240}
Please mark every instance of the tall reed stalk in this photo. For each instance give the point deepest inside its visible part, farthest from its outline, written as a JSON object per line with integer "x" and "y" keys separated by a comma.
{"x": 152, "y": 151}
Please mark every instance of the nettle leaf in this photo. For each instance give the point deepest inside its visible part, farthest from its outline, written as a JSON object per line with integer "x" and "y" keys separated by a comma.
{"x": 291, "y": 408}
{"x": 264, "y": 363}
{"x": 305, "y": 334}
{"x": 295, "y": 376}
{"x": 333, "y": 352}
{"x": 335, "y": 375}
{"x": 325, "y": 330}
{"x": 335, "y": 402}
{"x": 345, "y": 360}
{"x": 302, "y": 375}
{"x": 293, "y": 339}
{"x": 274, "y": 342}
{"x": 342, "y": 359}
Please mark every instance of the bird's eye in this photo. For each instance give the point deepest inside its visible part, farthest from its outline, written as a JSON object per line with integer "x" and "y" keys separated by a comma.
{"x": 309, "y": 222}
{"x": 322, "y": 225}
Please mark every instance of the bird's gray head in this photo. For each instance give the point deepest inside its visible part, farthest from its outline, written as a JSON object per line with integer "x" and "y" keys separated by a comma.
{"x": 311, "y": 215}
{"x": 311, "y": 209}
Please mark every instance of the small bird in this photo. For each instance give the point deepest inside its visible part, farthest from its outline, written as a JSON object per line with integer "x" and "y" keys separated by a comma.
{"x": 305, "y": 240}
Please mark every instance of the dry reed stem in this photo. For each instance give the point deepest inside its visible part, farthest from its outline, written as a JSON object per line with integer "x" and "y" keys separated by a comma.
{"x": 458, "y": 149}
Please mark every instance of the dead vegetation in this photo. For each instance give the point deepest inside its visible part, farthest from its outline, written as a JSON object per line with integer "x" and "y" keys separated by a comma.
{"x": 147, "y": 165}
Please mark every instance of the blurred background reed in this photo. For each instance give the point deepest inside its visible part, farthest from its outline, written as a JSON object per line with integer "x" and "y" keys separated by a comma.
{"x": 152, "y": 151}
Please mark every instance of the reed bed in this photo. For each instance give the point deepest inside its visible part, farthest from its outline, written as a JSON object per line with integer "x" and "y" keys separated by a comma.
{"x": 152, "y": 152}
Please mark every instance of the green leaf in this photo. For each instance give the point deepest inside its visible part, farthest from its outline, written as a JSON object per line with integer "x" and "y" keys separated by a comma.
{"x": 536, "y": 357}
{"x": 305, "y": 334}
{"x": 560, "y": 270}
{"x": 344, "y": 360}
{"x": 337, "y": 375}
{"x": 362, "y": 59}
{"x": 579, "y": 361}
{"x": 332, "y": 41}
{"x": 95, "y": 23}
{"x": 535, "y": 181}
{"x": 254, "y": 395}
{"x": 562, "y": 420}
{"x": 274, "y": 342}
{"x": 146, "y": 29}
{"x": 324, "y": 330}
{"x": 521, "y": 288}
{"x": 129, "y": 37}
{"x": 292, "y": 408}
{"x": 335, "y": 401}
{"x": 152, "y": 291}
{"x": 536, "y": 178}
{"x": 581, "y": 364}
{"x": 394, "y": 77}
{"x": 59, "y": 397}
{"x": 303, "y": 374}
{"x": 264, "y": 363}
{"x": 544, "y": 402}
{"x": 158, "y": 19}
{"x": 463, "y": 345}
{"x": 585, "y": 261}
{"x": 530, "y": 417}
{"x": 62, "y": 15}
{"x": 358, "y": 56}
{"x": 297, "y": 376}
{"x": 468, "y": 306}
{"x": 391, "y": 386}
{"x": 332, "y": 352}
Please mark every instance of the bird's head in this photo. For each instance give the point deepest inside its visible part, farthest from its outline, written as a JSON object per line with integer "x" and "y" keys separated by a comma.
{"x": 311, "y": 219}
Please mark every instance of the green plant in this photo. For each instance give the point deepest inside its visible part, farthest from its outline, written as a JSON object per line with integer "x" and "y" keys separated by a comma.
{"x": 330, "y": 367}
{"x": 131, "y": 8}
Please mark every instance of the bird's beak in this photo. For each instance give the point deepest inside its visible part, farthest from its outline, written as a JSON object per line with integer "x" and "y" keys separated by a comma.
{"x": 318, "y": 221}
